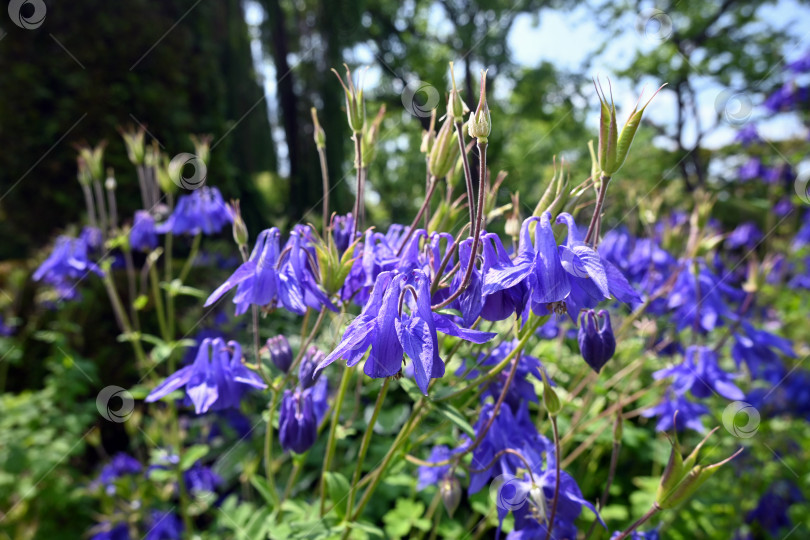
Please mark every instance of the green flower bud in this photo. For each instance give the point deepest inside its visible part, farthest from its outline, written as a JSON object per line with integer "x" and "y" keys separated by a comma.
{"x": 550, "y": 398}
{"x": 445, "y": 151}
{"x": 614, "y": 146}
{"x": 370, "y": 136}
{"x": 355, "y": 105}
{"x": 429, "y": 136}
{"x": 240, "y": 232}
{"x": 480, "y": 124}
{"x": 133, "y": 140}
{"x": 456, "y": 108}
{"x": 83, "y": 172}
{"x": 161, "y": 164}
{"x": 202, "y": 147}
{"x": 682, "y": 477}
{"x": 94, "y": 160}
{"x": 319, "y": 134}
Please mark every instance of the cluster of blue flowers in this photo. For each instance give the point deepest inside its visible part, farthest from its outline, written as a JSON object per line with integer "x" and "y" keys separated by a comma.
{"x": 160, "y": 524}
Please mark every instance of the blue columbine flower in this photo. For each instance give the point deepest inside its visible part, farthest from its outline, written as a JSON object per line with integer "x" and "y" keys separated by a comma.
{"x": 203, "y": 211}
{"x": 110, "y": 532}
{"x": 302, "y": 410}
{"x": 216, "y": 380}
{"x": 538, "y": 266}
{"x": 751, "y": 170}
{"x": 68, "y": 263}
{"x": 143, "y": 234}
{"x": 689, "y": 413}
{"x": 470, "y": 302}
{"x": 280, "y": 352}
{"x": 746, "y": 235}
{"x": 258, "y": 280}
{"x": 596, "y": 345}
{"x": 398, "y": 319}
{"x": 164, "y": 526}
{"x": 521, "y": 388}
{"x": 701, "y": 374}
{"x": 747, "y": 135}
{"x": 301, "y": 267}
{"x": 758, "y": 350}
{"x": 200, "y": 478}
{"x": 342, "y": 227}
{"x": 122, "y": 464}
{"x": 309, "y": 363}
{"x": 430, "y": 476}
{"x": 500, "y": 301}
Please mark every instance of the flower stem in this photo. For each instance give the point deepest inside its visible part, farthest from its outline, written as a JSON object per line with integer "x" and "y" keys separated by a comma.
{"x": 325, "y": 181}
{"x": 153, "y": 278}
{"x": 195, "y": 248}
{"x": 332, "y": 441}
{"x": 600, "y": 201}
{"x": 643, "y": 519}
{"x": 482, "y": 152}
{"x": 358, "y": 202}
{"x": 556, "y": 477}
{"x": 415, "y": 222}
{"x": 364, "y": 445}
{"x": 467, "y": 173}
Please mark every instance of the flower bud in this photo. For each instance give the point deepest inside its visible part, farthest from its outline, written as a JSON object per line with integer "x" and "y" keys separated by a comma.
{"x": 318, "y": 133}
{"x": 297, "y": 421}
{"x": 682, "y": 478}
{"x": 370, "y": 136}
{"x": 596, "y": 345}
{"x": 456, "y": 108}
{"x": 306, "y": 373}
{"x": 614, "y": 146}
{"x": 355, "y": 105}
{"x": 280, "y": 352}
{"x": 133, "y": 140}
{"x": 550, "y": 398}
{"x": 94, "y": 159}
{"x": 202, "y": 147}
{"x": 240, "y": 232}
{"x": 83, "y": 173}
{"x": 450, "y": 490}
{"x": 429, "y": 136}
{"x": 445, "y": 151}
{"x": 480, "y": 124}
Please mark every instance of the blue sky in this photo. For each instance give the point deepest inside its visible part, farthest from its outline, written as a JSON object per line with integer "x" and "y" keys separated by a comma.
{"x": 567, "y": 38}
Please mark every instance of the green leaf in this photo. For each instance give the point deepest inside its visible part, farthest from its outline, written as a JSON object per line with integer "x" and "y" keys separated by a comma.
{"x": 455, "y": 416}
{"x": 261, "y": 485}
{"x": 193, "y": 455}
{"x": 338, "y": 488}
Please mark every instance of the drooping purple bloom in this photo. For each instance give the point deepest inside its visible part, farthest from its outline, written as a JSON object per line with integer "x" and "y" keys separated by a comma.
{"x": 259, "y": 282}
{"x": 143, "y": 234}
{"x": 280, "y": 352}
{"x": 596, "y": 345}
{"x": 747, "y": 135}
{"x": 342, "y": 231}
{"x": 299, "y": 416}
{"x": 589, "y": 279}
{"x": 67, "y": 264}
{"x": 751, "y": 170}
{"x": 701, "y": 375}
{"x": 470, "y": 302}
{"x": 771, "y": 512}
{"x": 301, "y": 268}
{"x": 758, "y": 350}
{"x": 802, "y": 65}
{"x": 203, "y": 211}
{"x": 500, "y": 302}
{"x": 746, "y": 235}
{"x": 122, "y": 464}
{"x": 309, "y": 363}
{"x": 200, "y": 478}
{"x": 164, "y": 526}
{"x": 430, "y": 476}
{"x": 216, "y": 380}
{"x": 398, "y": 319}
{"x": 112, "y": 532}
{"x": 689, "y": 413}
{"x": 521, "y": 388}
